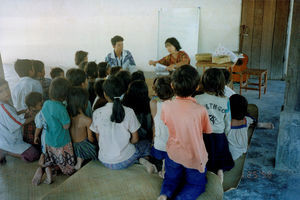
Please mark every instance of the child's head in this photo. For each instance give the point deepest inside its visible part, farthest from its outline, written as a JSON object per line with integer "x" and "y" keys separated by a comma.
{"x": 91, "y": 70}
{"x": 77, "y": 78}
{"x": 125, "y": 77}
{"x": 83, "y": 65}
{"x": 59, "y": 88}
{"x": 113, "y": 89}
{"x": 162, "y": 87}
{"x": 115, "y": 70}
{"x": 185, "y": 81}
{"x": 138, "y": 75}
{"x": 214, "y": 82}
{"x": 39, "y": 69}
{"x": 81, "y": 56}
{"x": 5, "y": 95}
{"x": 34, "y": 101}
{"x": 99, "y": 88}
{"x": 24, "y": 67}
{"x": 227, "y": 76}
{"x": 57, "y": 72}
{"x": 238, "y": 106}
{"x": 77, "y": 101}
{"x": 103, "y": 69}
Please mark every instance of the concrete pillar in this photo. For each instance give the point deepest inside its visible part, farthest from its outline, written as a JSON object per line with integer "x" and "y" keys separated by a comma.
{"x": 288, "y": 142}
{"x": 1, "y": 68}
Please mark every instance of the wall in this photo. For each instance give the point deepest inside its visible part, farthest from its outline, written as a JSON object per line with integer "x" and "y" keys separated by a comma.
{"x": 53, "y": 30}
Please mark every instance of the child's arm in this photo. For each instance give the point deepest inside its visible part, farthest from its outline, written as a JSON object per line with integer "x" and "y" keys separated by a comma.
{"x": 37, "y": 135}
{"x": 134, "y": 138}
{"x": 21, "y": 112}
{"x": 89, "y": 132}
{"x": 153, "y": 109}
{"x": 227, "y": 119}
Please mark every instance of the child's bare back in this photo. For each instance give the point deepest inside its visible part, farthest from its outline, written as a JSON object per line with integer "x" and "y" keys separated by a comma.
{"x": 80, "y": 128}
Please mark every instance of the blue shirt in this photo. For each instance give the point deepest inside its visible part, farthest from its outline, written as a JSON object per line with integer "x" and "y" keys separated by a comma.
{"x": 56, "y": 116}
{"x": 126, "y": 60}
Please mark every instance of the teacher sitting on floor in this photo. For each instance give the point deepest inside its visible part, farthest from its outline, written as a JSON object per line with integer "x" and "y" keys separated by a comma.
{"x": 119, "y": 56}
{"x": 176, "y": 58}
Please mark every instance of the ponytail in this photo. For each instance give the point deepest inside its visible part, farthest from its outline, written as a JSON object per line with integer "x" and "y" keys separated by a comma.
{"x": 118, "y": 112}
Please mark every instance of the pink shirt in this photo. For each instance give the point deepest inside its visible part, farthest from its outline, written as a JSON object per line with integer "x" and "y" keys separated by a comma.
{"x": 187, "y": 121}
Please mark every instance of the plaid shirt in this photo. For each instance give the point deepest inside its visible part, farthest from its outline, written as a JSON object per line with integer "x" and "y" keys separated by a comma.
{"x": 29, "y": 129}
{"x": 169, "y": 59}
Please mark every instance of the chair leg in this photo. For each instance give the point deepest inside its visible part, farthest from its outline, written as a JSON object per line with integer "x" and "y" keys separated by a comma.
{"x": 259, "y": 85}
{"x": 266, "y": 80}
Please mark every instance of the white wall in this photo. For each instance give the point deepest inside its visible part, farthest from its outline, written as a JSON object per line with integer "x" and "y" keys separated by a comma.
{"x": 53, "y": 30}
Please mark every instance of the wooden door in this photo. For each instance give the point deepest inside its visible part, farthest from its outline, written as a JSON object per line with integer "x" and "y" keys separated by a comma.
{"x": 265, "y": 39}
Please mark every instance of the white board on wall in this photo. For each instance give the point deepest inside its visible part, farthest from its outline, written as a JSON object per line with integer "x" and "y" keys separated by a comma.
{"x": 181, "y": 23}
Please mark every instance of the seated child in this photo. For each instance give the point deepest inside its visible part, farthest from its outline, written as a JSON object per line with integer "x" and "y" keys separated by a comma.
{"x": 103, "y": 70}
{"x": 34, "y": 102}
{"x": 25, "y": 85}
{"x": 218, "y": 108}
{"x": 125, "y": 77}
{"x": 80, "y": 57}
{"x": 91, "y": 71}
{"x": 59, "y": 149}
{"x": 115, "y": 70}
{"x": 138, "y": 75}
{"x": 116, "y": 129}
{"x": 57, "y": 72}
{"x": 11, "y": 140}
{"x": 227, "y": 90}
{"x": 100, "y": 100}
{"x": 39, "y": 70}
{"x": 164, "y": 92}
{"x": 78, "y": 78}
{"x": 187, "y": 121}
{"x": 81, "y": 135}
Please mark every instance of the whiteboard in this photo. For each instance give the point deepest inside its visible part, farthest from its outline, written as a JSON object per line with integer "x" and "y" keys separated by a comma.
{"x": 181, "y": 23}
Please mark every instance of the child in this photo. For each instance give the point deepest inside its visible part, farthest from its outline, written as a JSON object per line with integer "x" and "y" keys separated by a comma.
{"x": 218, "y": 107}
{"x": 11, "y": 140}
{"x": 116, "y": 129}
{"x": 78, "y": 78}
{"x": 163, "y": 90}
{"x": 39, "y": 69}
{"x": 57, "y": 72}
{"x": 91, "y": 71}
{"x": 80, "y": 57}
{"x": 82, "y": 137}
{"x": 100, "y": 100}
{"x": 115, "y": 70}
{"x": 186, "y": 154}
{"x": 227, "y": 90}
{"x": 34, "y": 102}
{"x": 138, "y": 75}
{"x": 125, "y": 77}
{"x": 59, "y": 150}
{"x": 103, "y": 70}
{"x": 26, "y": 84}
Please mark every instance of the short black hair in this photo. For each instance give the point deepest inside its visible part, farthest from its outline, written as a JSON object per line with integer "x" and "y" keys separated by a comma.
{"x": 59, "y": 88}
{"x": 125, "y": 77}
{"x": 173, "y": 41}
{"x": 79, "y": 56}
{"x": 3, "y": 82}
{"x": 83, "y": 65}
{"x": 115, "y": 70}
{"x": 102, "y": 69}
{"x": 76, "y": 76}
{"x": 238, "y": 107}
{"x": 91, "y": 70}
{"x": 77, "y": 100}
{"x": 33, "y": 98}
{"x": 98, "y": 86}
{"x": 23, "y": 66}
{"x": 116, "y": 39}
{"x": 213, "y": 81}
{"x": 38, "y": 66}
{"x": 162, "y": 87}
{"x": 185, "y": 81}
{"x": 138, "y": 75}
{"x": 227, "y": 76}
{"x": 55, "y": 72}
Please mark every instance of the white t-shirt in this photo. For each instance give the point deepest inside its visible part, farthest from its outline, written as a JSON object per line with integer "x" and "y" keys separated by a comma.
{"x": 218, "y": 109}
{"x": 11, "y": 138}
{"x": 114, "y": 138}
{"x": 161, "y": 130}
{"x": 238, "y": 139}
{"x": 228, "y": 92}
{"x": 22, "y": 89}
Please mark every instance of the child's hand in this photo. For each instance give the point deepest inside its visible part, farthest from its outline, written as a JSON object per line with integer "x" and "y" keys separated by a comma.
{"x": 36, "y": 140}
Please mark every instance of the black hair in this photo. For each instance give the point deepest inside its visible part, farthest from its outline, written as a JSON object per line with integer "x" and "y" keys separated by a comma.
{"x": 102, "y": 69}
{"x": 59, "y": 88}
{"x": 98, "y": 86}
{"x": 238, "y": 107}
{"x": 3, "y": 82}
{"x": 115, "y": 70}
{"x": 227, "y": 76}
{"x": 138, "y": 75}
{"x": 23, "y": 66}
{"x": 55, "y": 72}
{"x": 38, "y": 66}
{"x": 173, "y": 41}
{"x": 137, "y": 97}
{"x": 213, "y": 81}
{"x": 162, "y": 87}
{"x": 125, "y": 77}
{"x": 76, "y": 76}
{"x": 113, "y": 89}
{"x": 77, "y": 100}
{"x": 83, "y": 65}
{"x": 79, "y": 56}
{"x": 91, "y": 70}
{"x": 33, "y": 98}
{"x": 185, "y": 81}
{"x": 116, "y": 39}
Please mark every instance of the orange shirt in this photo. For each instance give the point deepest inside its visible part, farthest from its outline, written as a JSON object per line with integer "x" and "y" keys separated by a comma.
{"x": 169, "y": 59}
{"x": 186, "y": 121}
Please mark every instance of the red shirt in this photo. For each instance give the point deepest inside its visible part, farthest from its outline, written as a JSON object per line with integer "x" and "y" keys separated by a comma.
{"x": 169, "y": 59}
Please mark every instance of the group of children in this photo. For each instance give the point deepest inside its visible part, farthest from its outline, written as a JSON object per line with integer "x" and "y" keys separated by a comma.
{"x": 105, "y": 113}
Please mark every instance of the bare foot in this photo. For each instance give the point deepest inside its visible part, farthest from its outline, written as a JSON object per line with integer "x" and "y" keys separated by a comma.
{"x": 266, "y": 125}
{"x": 151, "y": 168}
{"x": 42, "y": 160}
{"x": 37, "y": 176}
{"x": 48, "y": 179}
{"x": 78, "y": 164}
{"x": 162, "y": 197}
{"x": 221, "y": 175}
